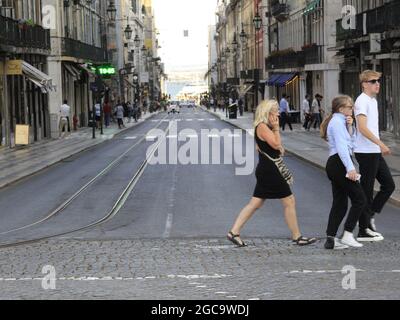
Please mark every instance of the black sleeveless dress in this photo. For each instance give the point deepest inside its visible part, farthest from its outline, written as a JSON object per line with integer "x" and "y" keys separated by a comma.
{"x": 270, "y": 183}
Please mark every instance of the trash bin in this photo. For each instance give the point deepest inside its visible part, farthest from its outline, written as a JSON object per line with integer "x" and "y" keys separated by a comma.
{"x": 233, "y": 109}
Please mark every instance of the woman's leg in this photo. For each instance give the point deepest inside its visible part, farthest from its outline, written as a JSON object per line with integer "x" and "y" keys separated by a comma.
{"x": 289, "y": 205}
{"x": 246, "y": 213}
{"x": 338, "y": 210}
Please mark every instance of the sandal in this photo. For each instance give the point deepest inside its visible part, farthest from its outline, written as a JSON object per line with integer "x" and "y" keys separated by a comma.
{"x": 233, "y": 238}
{"x": 303, "y": 241}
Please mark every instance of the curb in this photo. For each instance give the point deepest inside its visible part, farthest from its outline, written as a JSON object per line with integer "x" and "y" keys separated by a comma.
{"x": 392, "y": 200}
{"x": 98, "y": 142}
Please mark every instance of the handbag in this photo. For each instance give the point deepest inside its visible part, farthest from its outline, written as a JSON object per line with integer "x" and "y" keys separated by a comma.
{"x": 283, "y": 169}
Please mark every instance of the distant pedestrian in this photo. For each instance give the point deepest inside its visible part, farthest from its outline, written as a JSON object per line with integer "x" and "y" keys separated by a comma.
{"x": 369, "y": 152}
{"x": 316, "y": 112}
{"x": 241, "y": 106}
{"x": 307, "y": 112}
{"x": 97, "y": 108}
{"x": 284, "y": 112}
{"x": 130, "y": 111}
{"x": 107, "y": 113}
{"x": 65, "y": 111}
{"x": 135, "y": 110}
{"x": 119, "y": 112}
{"x": 338, "y": 130}
{"x": 273, "y": 178}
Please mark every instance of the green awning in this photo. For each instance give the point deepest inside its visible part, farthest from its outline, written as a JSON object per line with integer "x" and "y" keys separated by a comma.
{"x": 311, "y": 7}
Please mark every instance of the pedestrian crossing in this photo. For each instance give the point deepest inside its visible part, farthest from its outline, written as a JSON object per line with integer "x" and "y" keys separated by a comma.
{"x": 187, "y": 120}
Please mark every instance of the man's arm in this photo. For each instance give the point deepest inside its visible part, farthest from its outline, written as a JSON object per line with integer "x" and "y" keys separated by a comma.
{"x": 363, "y": 128}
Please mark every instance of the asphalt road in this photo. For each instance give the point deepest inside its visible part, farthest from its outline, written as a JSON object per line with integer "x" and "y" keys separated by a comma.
{"x": 168, "y": 239}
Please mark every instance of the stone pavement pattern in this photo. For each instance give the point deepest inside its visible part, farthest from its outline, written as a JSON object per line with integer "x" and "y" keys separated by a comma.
{"x": 197, "y": 269}
{"x": 308, "y": 146}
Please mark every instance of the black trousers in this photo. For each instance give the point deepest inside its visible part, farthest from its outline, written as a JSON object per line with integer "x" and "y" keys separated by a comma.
{"x": 342, "y": 189}
{"x": 307, "y": 121}
{"x": 373, "y": 166}
{"x": 285, "y": 119}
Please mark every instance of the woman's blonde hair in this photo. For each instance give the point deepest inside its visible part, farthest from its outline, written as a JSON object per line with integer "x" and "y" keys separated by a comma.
{"x": 337, "y": 103}
{"x": 263, "y": 111}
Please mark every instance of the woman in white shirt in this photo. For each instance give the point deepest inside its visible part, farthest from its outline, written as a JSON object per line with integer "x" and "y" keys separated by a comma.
{"x": 338, "y": 130}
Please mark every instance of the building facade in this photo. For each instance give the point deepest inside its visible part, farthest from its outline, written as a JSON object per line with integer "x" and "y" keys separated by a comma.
{"x": 300, "y": 60}
{"x": 369, "y": 38}
{"x": 24, "y": 80}
{"x": 78, "y": 40}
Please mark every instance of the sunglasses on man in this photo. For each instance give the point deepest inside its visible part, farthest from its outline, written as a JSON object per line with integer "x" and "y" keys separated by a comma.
{"x": 374, "y": 81}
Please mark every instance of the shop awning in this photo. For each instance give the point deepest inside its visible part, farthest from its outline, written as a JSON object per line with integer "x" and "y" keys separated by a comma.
{"x": 311, "y": 7}
{"x": 271, "y": 81}
{"x": 73, "y": 71}
{"x": 244, "y": 90}
{"x": 89, "y": 71}
{"x": 40, "y": 79}
{"x": 284, "y": 79}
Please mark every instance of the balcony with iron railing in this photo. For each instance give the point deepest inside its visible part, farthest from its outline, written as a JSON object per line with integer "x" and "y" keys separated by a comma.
{"x": 16, "y": 34}
{"x": 313, "y": 54}
{"x": 378, "y": 20}
{"x": 280, "y": 10}
{"x": 80, "y": 50}
{"x": 285, "y": 60}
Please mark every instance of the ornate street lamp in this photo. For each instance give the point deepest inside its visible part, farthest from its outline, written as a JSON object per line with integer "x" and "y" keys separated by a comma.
{"x": 128, "y": 32}
{"x": 257, "y": 21}
{"x": 137, "y": 41}
{"x": 112, "y": 11}
{"x": 234, "y": 43}
{"x": 243, "y": 36}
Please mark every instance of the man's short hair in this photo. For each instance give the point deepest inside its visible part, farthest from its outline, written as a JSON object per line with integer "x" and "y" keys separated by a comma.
{"x": 284, "y": 95}
{"x": 368, "y": 74}
{"x": 65, "y": 101}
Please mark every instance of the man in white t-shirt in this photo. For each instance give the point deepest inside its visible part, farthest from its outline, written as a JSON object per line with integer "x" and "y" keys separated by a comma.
{"x": 369, "y": 151}
{"x": 64, "y": 118}
{"x": 306, "y": 111}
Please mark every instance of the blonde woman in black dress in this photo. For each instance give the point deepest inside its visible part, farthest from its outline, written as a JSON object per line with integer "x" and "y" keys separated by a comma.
{"x": 270, "y": 182}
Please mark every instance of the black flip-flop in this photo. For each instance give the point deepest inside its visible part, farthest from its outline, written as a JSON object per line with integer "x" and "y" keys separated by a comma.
{"x": 233, "y": 238}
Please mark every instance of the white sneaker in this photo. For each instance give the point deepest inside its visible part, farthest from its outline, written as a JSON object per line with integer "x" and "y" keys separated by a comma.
{"x": 348, "y": 240}
{"x": 368, "y": 235}
{"x": 334, "y": 244}
{"x": 339, "y": 245}
{"x": 376, "y": 234}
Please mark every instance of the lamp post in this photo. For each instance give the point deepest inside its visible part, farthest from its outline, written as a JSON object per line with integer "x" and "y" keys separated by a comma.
{"x": 257, "y": 22}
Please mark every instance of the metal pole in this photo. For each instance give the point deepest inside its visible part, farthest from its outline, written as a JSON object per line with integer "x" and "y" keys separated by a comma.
{"x": 93, "y": 116}
{"x": 256, "y": 75}
{"x": 101, "y": 116}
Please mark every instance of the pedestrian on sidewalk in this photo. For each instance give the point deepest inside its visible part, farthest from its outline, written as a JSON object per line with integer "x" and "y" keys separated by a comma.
{"x": 316, "y": 112}
{"x": 241, "y": 105}
{"x": 107, "y": 113}
{"x": 119, "y": 112}
{"x": 97, "y": 108}
{"x": 369, "y": 152}
{"x": 65, "y": 111}
{"x": 273, "y": 178}
{"x": 306, "y": 112}
{"x": 284, "y": 112}
{"x": 338, "y": 130}
{"x": 130, "y": 111}
{"x": 135, "y": 110}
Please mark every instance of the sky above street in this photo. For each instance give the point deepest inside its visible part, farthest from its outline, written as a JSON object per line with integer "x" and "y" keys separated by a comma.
{"x": 173, "y": 17}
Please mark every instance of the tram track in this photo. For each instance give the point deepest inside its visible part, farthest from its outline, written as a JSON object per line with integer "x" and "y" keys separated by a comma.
{"x": 116, "y": 207}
